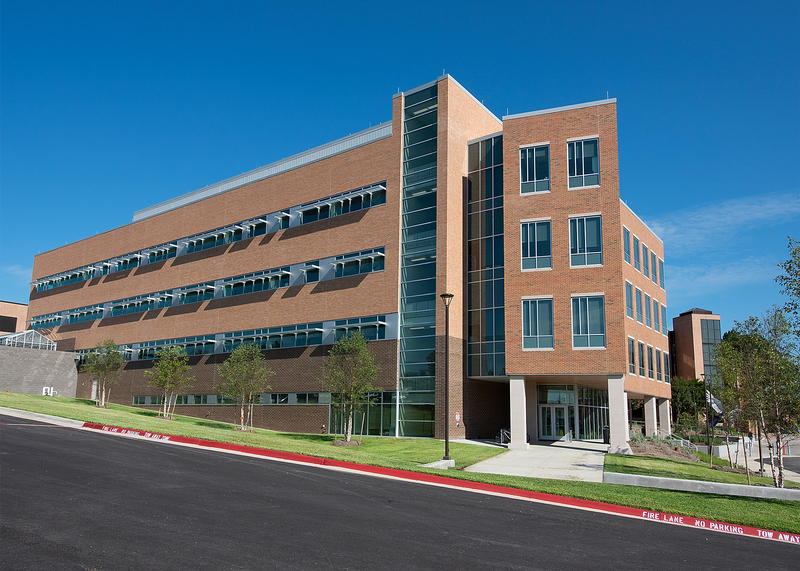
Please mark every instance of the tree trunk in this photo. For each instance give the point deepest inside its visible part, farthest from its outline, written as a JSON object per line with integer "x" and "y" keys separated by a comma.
{"x": 241, "y": 414}
{"x": 744, "y": 451}
{"x": 349, "y": 428}
{"x": 779, "y": 450}
{"x": 769, "y": 448}
{"x": 728, "y": 445}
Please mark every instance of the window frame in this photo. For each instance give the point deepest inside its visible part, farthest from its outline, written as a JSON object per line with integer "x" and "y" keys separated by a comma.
{"x": 639, "y": 310}
{"x": 626, "y": 245}
{"x": 629, "y": 299}
{"x": 579, "y": 322}
{"x": 537, "y": 300}
{"x": 653, "y": 264}
{"x": 637, "y": 264}
{"x": 632, "y": 355}
{"x": 580, "y": 222}
{"x": 648, "y": 316}
{"x": 523, "y": 246}
{"x": 573, "y": 162}
{"x": 645, "y": 260}
{"x": 642, "y": 366}
{"x": 650, "y": 370}
{"x": 530, "y": 154}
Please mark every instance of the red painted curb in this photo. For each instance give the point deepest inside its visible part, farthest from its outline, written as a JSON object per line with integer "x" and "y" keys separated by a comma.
{"x": 465, "y": 484}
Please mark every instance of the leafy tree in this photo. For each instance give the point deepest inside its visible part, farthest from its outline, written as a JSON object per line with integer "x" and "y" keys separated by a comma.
{"x": 104, "y": 363}
{"x": 245, "y": 379}
{"x": 755, "y": 363}
{"x": 687, "y": 399}
{"x": 169, "y": 375}
{"x": 790, "y": 285}
{"x": 348, "y": 372}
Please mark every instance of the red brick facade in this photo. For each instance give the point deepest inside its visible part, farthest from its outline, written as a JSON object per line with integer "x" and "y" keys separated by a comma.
{"x": 483, "y": 405}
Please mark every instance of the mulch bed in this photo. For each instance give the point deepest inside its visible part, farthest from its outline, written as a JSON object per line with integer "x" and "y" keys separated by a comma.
{"x": 345, "y": 443}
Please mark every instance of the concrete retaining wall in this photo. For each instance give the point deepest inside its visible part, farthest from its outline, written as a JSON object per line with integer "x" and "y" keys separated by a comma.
{"x": 27, "y": 371}
{"x": 702, "y": 487}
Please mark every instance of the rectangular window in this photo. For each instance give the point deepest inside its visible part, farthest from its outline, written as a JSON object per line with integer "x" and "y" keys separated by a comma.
{"x": 653, "y": 259}
{"x": 537, "y": 323}
{"x": 649, "y": 361}
{"x": 661, "y": 273}
{"x": 647, "y": 314}
{"x": 311, "y": 272}
{"x": 639, "y": 315}
{"x": 626, "y": 243}
{"x": 656, "y": 323}
{"x": 536, "y": 246}
{"x": 588, "y": 322}
{"x": 585, "y": 241}
{"x": 667, "y": 372}
{"x": 645, "y": 261}
{"x": 631, "y": 355}
{"x": 584, "y": 165}
{"x": 534, "y": 166}
{"x": 664, "y": 319}
{"x": 629, "y": 299}
{"x": 636, "y": 263}
{"x": 658, "y": 364}
{"x": 641, "y": 359}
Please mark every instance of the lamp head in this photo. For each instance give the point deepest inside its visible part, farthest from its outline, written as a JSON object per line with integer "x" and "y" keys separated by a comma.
{"x": 447, "y": 298}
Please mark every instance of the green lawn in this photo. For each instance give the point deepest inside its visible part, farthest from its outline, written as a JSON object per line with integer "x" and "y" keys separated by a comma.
{"x": 681, "y": 469}
{"x": 409, "y": 453}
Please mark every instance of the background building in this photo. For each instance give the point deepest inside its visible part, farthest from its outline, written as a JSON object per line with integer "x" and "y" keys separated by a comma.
{"x": 560, "y": 308}
{"x": 695, "y": 334}
{"x": 12, "y": 317}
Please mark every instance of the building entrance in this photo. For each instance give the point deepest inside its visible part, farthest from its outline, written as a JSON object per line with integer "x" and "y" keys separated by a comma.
{"x": 552, "y": 422}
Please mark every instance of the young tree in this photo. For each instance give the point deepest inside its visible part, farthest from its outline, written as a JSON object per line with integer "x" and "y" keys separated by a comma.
{"x": 245, "y": 379}
{"x": 348, "y": 372}
{"x": 790, "y": 285}
{"x": 170, "y": 375}
{"x": 754, "y": 358}
{"x": 687, "y": 399}
{"x": 104, "y": 363}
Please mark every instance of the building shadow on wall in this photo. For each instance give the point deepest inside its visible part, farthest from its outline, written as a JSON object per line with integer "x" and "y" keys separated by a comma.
{"x": 322, "y": 225}
{"x": 256, "y": 297}
{"x": 120, "y": 319}
{"x": 183, "y": 309}
{"x": 339, "y": 284}
{"x": 202, "y": 255}
{"x": 61, "y": 289}
{"x": 117, "y": 276}
{"x": 147, "y": 268}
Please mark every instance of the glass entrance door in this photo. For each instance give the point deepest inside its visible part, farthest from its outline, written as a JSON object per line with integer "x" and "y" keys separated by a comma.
{"x": 552, "y": 422}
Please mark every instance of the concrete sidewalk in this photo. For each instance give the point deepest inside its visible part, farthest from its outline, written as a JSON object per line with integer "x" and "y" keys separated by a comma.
{"x": 577, "y": 461}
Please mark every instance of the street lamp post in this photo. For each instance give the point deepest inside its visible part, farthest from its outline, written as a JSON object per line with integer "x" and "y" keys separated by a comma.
{"x": 447, "y": 298}
{"x": 708, "y": 422}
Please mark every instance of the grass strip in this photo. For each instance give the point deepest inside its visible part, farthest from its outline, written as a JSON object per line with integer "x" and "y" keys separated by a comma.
{"x": 407, "y": 454}
{"x": 681, "y": 469}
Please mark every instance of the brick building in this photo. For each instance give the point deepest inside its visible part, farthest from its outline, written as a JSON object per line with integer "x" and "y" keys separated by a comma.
{"x": 694, "y": 335}
{"x": 559, "y": 313}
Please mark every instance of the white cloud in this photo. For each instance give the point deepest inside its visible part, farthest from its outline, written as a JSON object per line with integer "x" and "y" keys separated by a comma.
{"x": 685, "y": 283}
{"x": 18, "y": 273}
{"x": 713, "y": 225}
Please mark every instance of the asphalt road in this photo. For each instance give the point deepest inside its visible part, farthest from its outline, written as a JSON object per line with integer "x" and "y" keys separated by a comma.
{"x": 73, "y": 499}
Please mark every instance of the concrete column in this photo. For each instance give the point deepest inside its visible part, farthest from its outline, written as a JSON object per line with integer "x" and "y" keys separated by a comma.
{"x": 650, "y": 416}
{"x": 664, "y": 416}
{"x": 618, "y": 415}
{"x": 519, "y": 420}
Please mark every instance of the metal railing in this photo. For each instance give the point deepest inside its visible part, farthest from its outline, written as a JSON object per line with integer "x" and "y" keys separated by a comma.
{"x": 683, "y": 443}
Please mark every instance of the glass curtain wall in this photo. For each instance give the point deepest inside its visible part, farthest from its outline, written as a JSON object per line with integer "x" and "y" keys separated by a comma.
{"x": 486, "y": 347}
{"x": 417, "y": 374}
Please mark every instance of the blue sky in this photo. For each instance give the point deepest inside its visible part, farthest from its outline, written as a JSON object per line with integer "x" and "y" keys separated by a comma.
{"x": 109, "y": 107}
